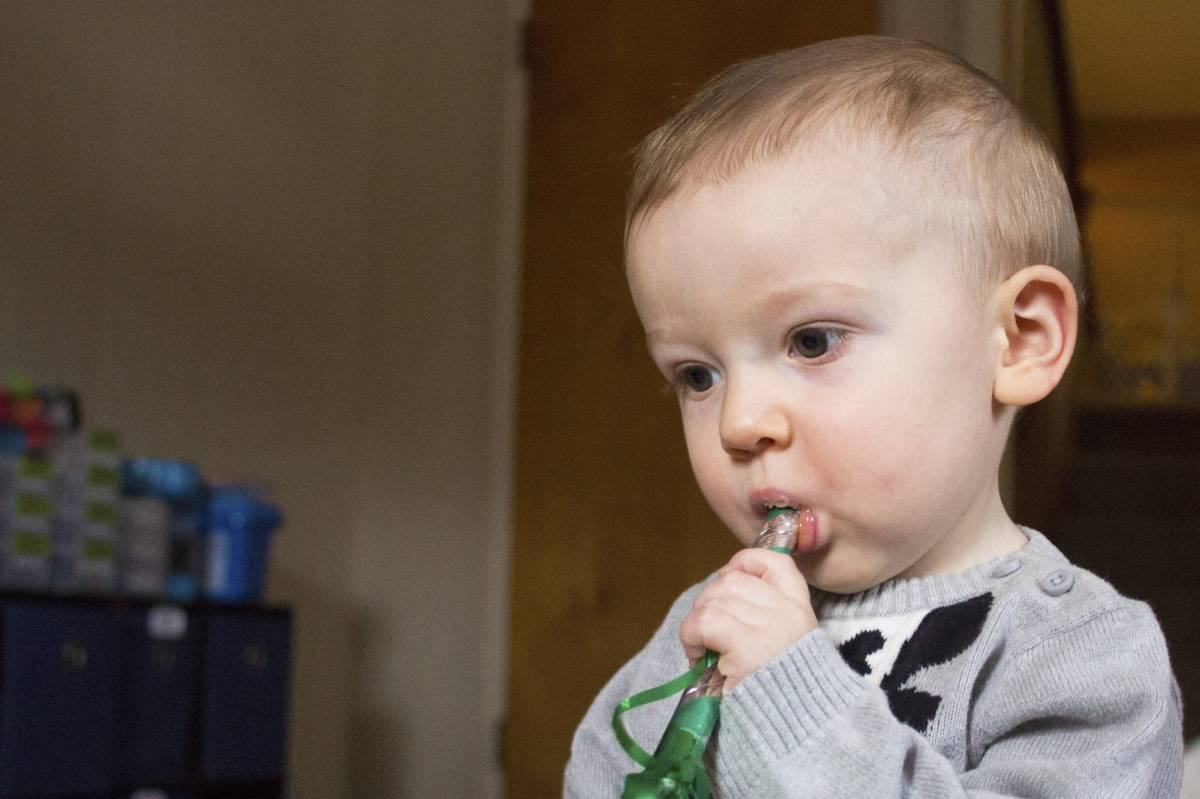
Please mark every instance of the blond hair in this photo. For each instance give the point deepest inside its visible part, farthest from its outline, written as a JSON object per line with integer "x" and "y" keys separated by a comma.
{"x": 998, "y": 187}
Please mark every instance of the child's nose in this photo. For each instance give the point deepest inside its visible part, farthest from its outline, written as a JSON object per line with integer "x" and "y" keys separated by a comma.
{"x": 752, "y": 420}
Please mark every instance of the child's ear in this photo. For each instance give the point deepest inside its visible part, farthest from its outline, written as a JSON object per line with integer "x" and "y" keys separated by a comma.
{"x": 1036, "y": 326}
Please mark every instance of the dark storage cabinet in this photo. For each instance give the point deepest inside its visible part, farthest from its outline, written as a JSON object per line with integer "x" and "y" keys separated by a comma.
{"x": 245, "y": 697}
{"x": 59, "y": 699}
{"x": 160, "y": 697}
{"x": 99, "y": 699}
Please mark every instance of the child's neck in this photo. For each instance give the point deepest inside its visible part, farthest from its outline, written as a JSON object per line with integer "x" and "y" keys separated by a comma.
{"x": 983, "y": 533}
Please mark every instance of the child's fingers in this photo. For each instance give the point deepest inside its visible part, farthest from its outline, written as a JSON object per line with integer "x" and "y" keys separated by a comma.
{"x": 731, "y": 622}
{"x": 774, "y": 568}
{"x": 714, "y": 626}
{"x": 743, "y": 585}
{"x": 744, "y": 633}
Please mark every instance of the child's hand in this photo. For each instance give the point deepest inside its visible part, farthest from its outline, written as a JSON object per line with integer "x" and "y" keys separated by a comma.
{"x": 758, "y": 606}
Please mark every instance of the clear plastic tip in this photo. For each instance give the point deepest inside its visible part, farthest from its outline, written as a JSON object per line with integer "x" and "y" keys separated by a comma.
{"x": 780, "y": 530}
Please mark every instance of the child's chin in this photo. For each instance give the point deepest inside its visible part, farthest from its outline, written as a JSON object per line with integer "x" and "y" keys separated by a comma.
{"x": 840, "y": 587}
{"x": 835, "y": 581}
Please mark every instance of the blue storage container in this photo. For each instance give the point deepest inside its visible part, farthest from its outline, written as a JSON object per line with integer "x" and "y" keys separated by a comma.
{"x": 239, "y": 536}
{"x": 153, "y": 477}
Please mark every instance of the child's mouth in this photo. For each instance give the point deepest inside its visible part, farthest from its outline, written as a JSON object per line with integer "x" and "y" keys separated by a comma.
{"x": 809, "y": 536}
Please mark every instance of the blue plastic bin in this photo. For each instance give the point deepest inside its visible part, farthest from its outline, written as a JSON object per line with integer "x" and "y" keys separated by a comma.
{"x": 239, "y": 537}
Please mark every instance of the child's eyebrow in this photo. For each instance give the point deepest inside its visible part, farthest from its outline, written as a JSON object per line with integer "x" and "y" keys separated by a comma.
{"x": 778, "y": 300}
{"x": 818, "y": 295}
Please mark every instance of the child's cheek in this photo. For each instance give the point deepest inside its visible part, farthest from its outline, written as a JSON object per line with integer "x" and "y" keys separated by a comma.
{"x": 863, "y": 461}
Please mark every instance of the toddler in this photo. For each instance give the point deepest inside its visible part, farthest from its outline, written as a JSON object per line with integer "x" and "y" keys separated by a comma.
{"x": 855, "y": 262}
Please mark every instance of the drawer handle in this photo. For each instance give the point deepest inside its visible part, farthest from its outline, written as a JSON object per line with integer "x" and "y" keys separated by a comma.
{"x": 74, "y": 656}
{"x": 255, "y": 657}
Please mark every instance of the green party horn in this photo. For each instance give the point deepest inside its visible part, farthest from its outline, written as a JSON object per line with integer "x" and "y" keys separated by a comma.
{"x": 676, "y": 769}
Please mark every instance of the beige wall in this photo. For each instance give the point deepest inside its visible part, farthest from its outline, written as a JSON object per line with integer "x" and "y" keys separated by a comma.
{"x": 264, "y": 236}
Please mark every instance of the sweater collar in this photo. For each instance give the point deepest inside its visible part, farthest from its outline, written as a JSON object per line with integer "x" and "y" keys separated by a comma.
{"x": 919, "y": 593}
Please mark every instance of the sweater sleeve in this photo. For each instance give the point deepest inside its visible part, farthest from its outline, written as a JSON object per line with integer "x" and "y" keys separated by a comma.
{"x": 1090, "y": 710}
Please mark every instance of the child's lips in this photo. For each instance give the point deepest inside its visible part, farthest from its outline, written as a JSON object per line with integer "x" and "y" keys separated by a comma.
{"x": 764, "y": 499}
{"x": 808, "y": 533}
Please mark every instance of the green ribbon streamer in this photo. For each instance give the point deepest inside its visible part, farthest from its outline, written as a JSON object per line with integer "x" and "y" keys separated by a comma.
{"x": 684, "y": 781}
{"x": 669, "y": 777}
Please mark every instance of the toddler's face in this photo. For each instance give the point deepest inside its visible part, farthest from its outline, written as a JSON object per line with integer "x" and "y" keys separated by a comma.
{"x": 825, "y": 358}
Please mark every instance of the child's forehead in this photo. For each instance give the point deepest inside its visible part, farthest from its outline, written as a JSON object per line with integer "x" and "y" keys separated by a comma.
{"x": 858, "y": 196}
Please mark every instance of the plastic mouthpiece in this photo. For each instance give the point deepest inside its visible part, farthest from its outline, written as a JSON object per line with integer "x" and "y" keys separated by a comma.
{"x": 780, "y": 530}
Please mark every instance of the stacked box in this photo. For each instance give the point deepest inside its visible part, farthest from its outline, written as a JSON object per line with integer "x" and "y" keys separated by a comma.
{"x": 179, "y": 485}
{"x": 87, "y": 511}
{"x": 9, "y": 464}
{"x": 144, "y": 549}
{"x": 26, "y": 522}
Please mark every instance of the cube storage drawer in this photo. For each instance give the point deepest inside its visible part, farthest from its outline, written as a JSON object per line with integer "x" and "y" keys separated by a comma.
{"x": 59, "y": 699}
{"x": 104, "y": 699}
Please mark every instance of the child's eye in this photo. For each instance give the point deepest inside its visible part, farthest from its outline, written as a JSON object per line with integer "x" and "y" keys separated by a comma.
{"x": 694, "y": 379}
{"x": 814, "y": 342}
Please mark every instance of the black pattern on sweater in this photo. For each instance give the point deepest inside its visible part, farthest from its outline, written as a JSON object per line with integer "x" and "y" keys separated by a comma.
{"x": 943, "y": 634}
